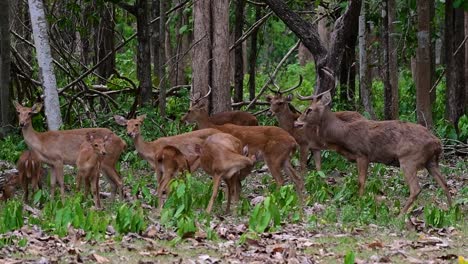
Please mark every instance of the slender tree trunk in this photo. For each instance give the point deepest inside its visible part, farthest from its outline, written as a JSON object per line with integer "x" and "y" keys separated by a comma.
{"x": 44, "y": 59}
{"x": 201, "y": 51}
{"x": 466, "y": 63}
{"x": 433, "y": 53}
{"x": 155, "y": 40}
{"x": 162, "y": 55}
{"x": 238, "y": 52}
{"x": 143, "y": 51}
{"x": 6, "y": 112}
{"x": 459, "y": 65}
{"x": 105, "y": 41}
{"x": 390, "y": 70}
{"x": 221, "y": 100}
{"x": 253, "y": 55}
{"x": 364, "y": 73}
{"x": 423, "y": 67}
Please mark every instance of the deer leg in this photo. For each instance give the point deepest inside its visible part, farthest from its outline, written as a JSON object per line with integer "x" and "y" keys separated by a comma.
{"x": 216, "y": 182}
{"x": 57, "y": 175}
{"x": 433, "y": 169}
{"x": 113, "y": 177}
{"x": 362, "y": 166}
{"x": 79, "y": 179}
{"x": 317, "y": 159}
{"x": 95, "y": 189}
{"x": 87, "y": 184}
{"x": 298, "y": 182}
{"x": 303, "y": 152}
{"x": 24, "y": 184}
{"x": 230, "y": 192}
{"x": 409, "y": 171}
{"x": 274, "y": 165}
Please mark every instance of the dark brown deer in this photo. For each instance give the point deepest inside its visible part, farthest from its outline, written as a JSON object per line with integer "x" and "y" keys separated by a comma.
{"x": 229, "y": 117}
{"x": 29, "y": 172}
{"x": 89, "y": 161}
{"x": 221, "y": 157}
{"x": 56, "y": 148}
{"x": 8, "y": 182}
{"x": 275, "y": 144}
{"x": 407, "y": 145}
{"x": 169, "y": 162}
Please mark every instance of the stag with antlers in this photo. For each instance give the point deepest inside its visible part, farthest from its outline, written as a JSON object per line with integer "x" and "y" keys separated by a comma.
{"x": 406, "y": 145}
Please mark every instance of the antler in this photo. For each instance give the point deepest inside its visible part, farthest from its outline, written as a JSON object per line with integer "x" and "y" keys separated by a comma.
{"x": 311, "y": 97}
{"x": 278, "y": 89}
{"x": 196, "y": 100}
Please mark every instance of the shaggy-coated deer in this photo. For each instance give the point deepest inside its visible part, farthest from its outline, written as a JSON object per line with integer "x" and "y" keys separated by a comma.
{"x": 185, "y": 143}
{"x": 169, "y": 162}
{"x": 239, "y": 118}
{"x": 29, "y": 171}
{"x": 275, "y": 144}
{"x": 307, "y": 139}
{"x": 407, "y": 145}
{"x": 221, "y": 157}
{"x": 89, "y": 161}
{"x": 57, "y": 148}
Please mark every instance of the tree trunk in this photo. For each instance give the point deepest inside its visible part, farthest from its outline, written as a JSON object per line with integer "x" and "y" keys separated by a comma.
{"x": 327, "y": 62}
{"x": 155, "y": 40}
{"x": 238, "y": 52}
{"x": 105, "y": 41}
{"x": 390, "y": 70}
{"x": 221, "y": 100}
{"x": 143, "y": 52}
{"x": 466, "y": 63}
{"x": 423, "y": 65}
{"x": 364, "y": 73}
{"x": 454, "y": 35}
{"x": 253, "y": 55}
{"x": 44, "y": 59}
{"x": 201, "y": 51}
{"x": 162, "y": 58}
{"x": 6, "y": 112}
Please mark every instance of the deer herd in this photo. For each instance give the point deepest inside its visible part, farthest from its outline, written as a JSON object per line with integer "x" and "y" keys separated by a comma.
{"x": 226, "y": 146}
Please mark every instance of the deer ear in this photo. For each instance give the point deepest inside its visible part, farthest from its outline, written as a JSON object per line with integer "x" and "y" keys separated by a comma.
{"x": 89, "y": 136}
{"x": 36, "y": 108}
{"x": 245, "y": 150}
{"x": 120, "y": 120}
{"x": 141, "y": 117}
{"x": 289, "y": 98}
{"x": 326, "y": 98}
{"x": 107, "y": 137}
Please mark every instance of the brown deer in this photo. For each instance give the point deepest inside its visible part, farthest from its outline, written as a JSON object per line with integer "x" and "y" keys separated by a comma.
{"x": 307, "y": 140}
{"x": 275, "y": 144}
{"x": 229, "y": 117}
{"x": 29, "y": 172}
{"x": 89, "y": 161}
{"x": 149, "y": 151}
{"x": 169, "y": 162}
{"x": 221, "y": 157}
{"x": 57, "y": 148}
{"x": 8, "y": 182}
{"x": 407, "y": 145}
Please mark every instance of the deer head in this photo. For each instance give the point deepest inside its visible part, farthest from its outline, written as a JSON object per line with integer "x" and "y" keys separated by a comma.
{"x": 197, "y": 107}
{"x": 25, "y": 113}
{"x": 133, "y": 125}
{"x": 98, "y": 143}
{"x": 314, "y": 113}
{"x": 279, "y": 102}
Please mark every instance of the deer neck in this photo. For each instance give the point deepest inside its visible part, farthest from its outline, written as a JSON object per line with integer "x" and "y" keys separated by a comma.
{"x": 331, "y": 128}
{"x": 286, "y": 119}
{"x": 141, "y": 145}
{"x": 203, "y": 120}
{"x": 31, "y": 137}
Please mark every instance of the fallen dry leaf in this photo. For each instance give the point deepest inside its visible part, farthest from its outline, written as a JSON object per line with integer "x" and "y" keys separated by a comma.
{"x": 375, "y": 245}
{"x": 100, "y": 259}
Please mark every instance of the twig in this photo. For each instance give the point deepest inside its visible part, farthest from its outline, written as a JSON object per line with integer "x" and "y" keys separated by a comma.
{"x": 273, "y": 75}
{"x": 252, "y": 29}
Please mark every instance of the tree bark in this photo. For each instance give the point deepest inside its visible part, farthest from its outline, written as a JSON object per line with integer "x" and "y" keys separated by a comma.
{"x": 44, "y": 59}
{"x": 253, "y": 55}
{"x": 390, "y": 68}
{"x": 327, "y": 62}
{"x": 466, "y": 63}
{"x": 221, "y": 100}
{"x": 162, "y": 58}
{"x": 143, "y": 51}
{"x": 201, "y": 51}
{"x": 364, "y": 73}
{"x": 455, "y": 81}
{"x": 155, "y": 40}
{"x": 423, "y": 65}
{"x": 105, "y": 41}
{"x": 6, "y": 112}
{"x": 238, "y": 52}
